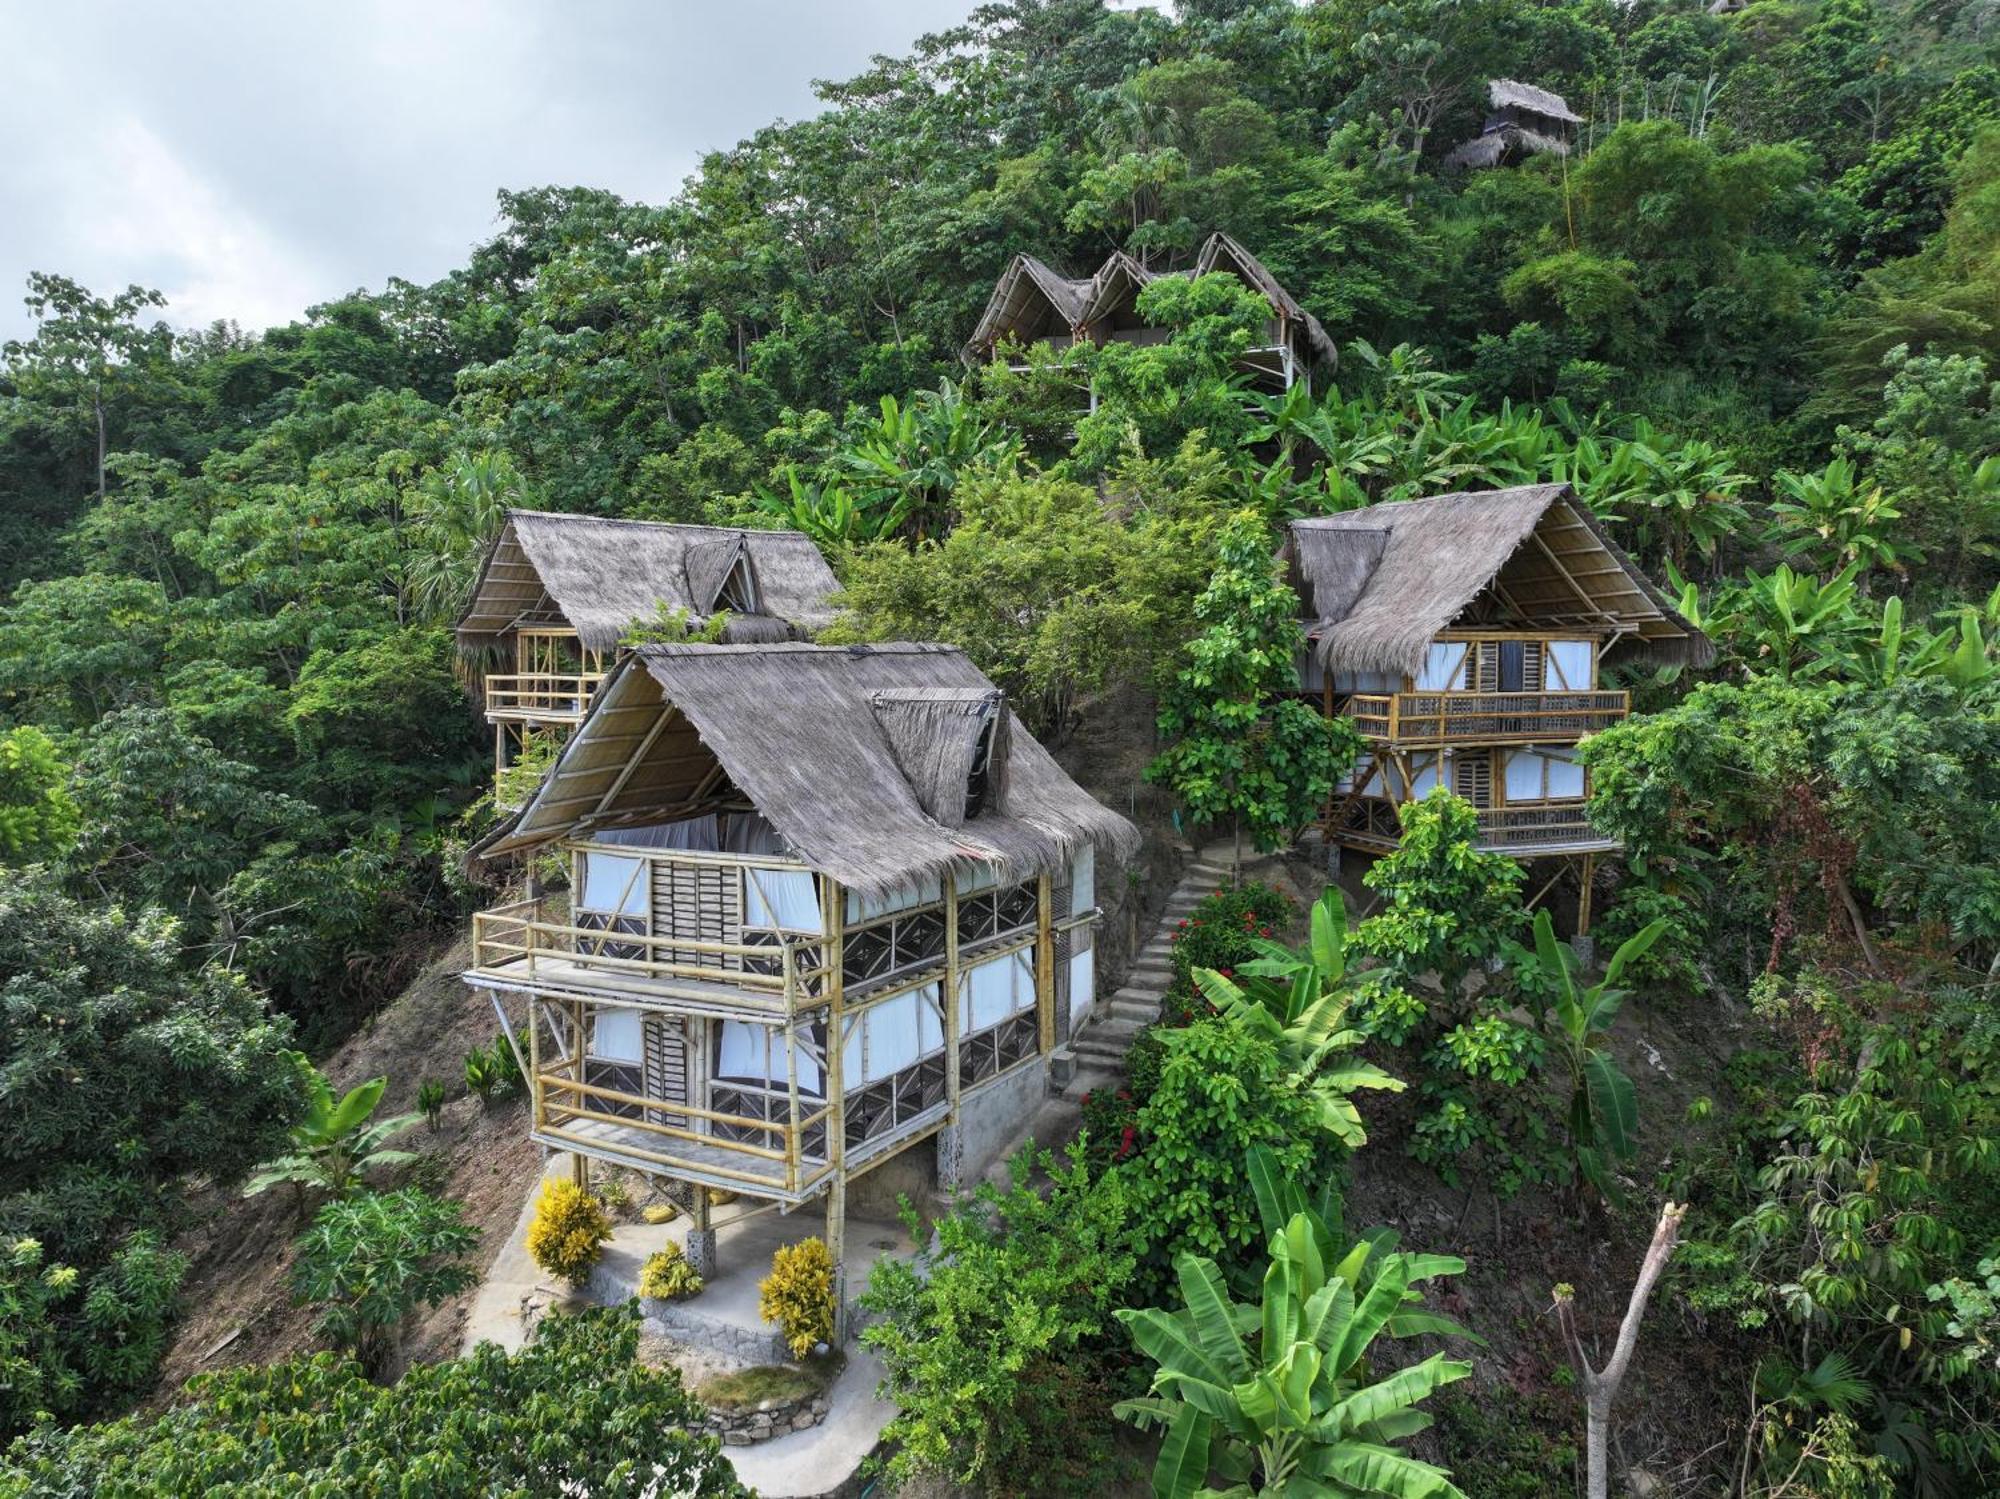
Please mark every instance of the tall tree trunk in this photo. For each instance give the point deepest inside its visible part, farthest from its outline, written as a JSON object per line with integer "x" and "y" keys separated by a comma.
{"x": 1600, "y": 1388}
{"x": 97, "y": 405}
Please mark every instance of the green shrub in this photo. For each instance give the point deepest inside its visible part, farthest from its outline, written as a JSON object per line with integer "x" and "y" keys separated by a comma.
{"x": 572, "y": 1413}
{"x": 1217, "y": 933}
{"x": 1222, "y": 1090}
{"x": 430, "y": 1101}
{"x": 999, "y": 1351}
{"x": 369, "y": 1261}
{"x": 667, "y": 1276}
{"x": 798, "y": 1295}
{"x": 569, "y": 1230}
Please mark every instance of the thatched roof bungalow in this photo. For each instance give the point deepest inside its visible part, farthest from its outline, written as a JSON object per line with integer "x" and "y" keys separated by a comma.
{"x": 1033, "y": 303}
{"x": 860, "y": 758}
{"x": 598, "y": 575}
{"x": 1379, "y": 584}
{"x": 1523, "y": 121}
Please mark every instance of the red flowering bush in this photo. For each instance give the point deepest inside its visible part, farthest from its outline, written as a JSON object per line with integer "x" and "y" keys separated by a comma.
{"x": 1111, "y": 1126}
{"x": 1217, "y": 934}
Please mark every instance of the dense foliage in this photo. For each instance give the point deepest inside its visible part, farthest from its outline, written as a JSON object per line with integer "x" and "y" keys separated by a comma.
{"x": 573, "y": 1411}
{"x": 1752, "y": 318}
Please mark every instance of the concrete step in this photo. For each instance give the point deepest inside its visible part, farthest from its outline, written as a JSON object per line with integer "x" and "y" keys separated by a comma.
{"x": 1139, "y": 1012}
{"x": 1152, "y": 968}
{"x": 1145, "y": 994}
{"x": 1089, "y": 1079}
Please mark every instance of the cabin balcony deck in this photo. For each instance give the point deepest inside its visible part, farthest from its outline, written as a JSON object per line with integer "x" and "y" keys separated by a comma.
{"x": 1420, "y": 719}
{"x": 540, "y": 697}
{"x": 1370, "y": 823}
{"x": 513, "y": 947}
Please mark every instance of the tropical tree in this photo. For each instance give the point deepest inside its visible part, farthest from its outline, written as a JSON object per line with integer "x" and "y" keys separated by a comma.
{"x": 369, "y": 1261}
{"x": 1300, "y": 1002}
{"x": 1276, "y": 1397}
{"x": 1603, "y": 1105}
{"x": 38, "y": 818}
{"x": 335, "y": 1145}
{"x": 1244, "y": 747}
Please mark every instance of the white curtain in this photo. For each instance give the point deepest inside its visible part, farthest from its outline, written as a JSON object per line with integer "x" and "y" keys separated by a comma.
{"x": 783, "y": 899}
{"x": 1524, "y": 776}
{"x": 898, "y": 1033}
{"x": 867, "y": 907}
{"x": 750, "y": 833}
{"x": 697, "y": 833}
{"x": 1565, "y": 778}
{"x": 1365, "y": 681}
{"x": 1083, "y": 880}
{"x": 614, "y": 883}
{"x": 617, "y": 1036}
{"x": 997, "y": 988}
{"x": 752, "y": 1053}
{"x": 1444, "y": 667}
{"x": 1082, "y": 983}
{"x": 1432, "y": 771}
{"x": 1543, "y": 774}
{"x": 1568, "y": 667}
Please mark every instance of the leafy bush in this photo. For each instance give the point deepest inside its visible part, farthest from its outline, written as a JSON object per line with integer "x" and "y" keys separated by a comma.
{"x": 1110, "y": 1126}
{"x": 1222, "y": 929}
{"x": 569, "y": 1230}
{"x": 667, "y": 1275}
{"x": 369, "y": 1261}
{"x": 430, "y": 1101}
{"x": 38, "y": 818}
{"x": 996, "y": 1345}
{"x": 574, "y": 1412}
{"x": 70, "y": 1345}
{"x": 798, "y": 1295}
{"x": 1223, "y": 1089}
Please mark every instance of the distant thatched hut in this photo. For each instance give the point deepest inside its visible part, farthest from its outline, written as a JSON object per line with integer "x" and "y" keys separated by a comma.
{"x": 556, "y": 593}
{"x": 826, "y": 904}
{"x": 1524, "y": 121}
{"x": 1462, "y": 636}
{"x": 1033, "y": 304}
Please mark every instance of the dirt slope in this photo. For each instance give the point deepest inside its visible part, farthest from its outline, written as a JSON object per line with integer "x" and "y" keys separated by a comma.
{"x": 238, "y": 1308}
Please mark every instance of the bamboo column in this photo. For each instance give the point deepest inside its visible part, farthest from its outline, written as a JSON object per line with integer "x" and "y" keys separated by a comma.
{"x": 833, "y": 923}
{"x": 1045, "y": 963}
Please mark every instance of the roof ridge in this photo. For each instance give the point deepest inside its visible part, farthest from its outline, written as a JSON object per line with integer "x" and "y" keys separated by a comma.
{"x": 801, "y": 648}
{"x": 651, "y": 525}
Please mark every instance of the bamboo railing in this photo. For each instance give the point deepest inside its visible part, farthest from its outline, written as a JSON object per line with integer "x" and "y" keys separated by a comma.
{"x": 1435, "y": 718}
{"x": 546, "y": 697}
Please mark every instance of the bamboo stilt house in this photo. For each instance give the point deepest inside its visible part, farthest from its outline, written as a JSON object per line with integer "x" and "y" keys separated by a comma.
{"x": 1033, "y": 304}
{"x": 556, "y": 594}
{"x": 827, "y": 905}
{"x": 1463, "y": 637}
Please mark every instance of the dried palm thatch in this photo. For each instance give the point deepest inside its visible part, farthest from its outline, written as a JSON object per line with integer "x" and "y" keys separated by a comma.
{"x": 599, "y": 575}
{"x": 938, "y": 736}
{"x": 1381, "y": 582}
{"x": 1030, "y": 301}
{"x": 803, "y": 734}
{"x": 1505, "y": 93}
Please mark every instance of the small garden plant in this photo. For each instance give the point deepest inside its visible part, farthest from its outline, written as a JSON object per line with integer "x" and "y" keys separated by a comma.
{"x": 368, "y": 1262}
{"x": 798, "y": 1295}
{"x": 569, "y": 1230}
{"x": 667, "y": 1276}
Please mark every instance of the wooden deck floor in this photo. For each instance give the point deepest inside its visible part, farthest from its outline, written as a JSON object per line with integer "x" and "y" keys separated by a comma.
{"x": 553, "y": 974}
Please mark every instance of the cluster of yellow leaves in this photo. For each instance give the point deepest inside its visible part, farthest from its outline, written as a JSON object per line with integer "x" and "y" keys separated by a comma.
{"x": 798, "y": 1295}
{"x": 569, "y": 1230}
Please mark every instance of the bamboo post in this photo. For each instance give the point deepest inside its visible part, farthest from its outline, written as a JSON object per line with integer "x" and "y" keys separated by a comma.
{"x": 951, "y": 981}
{"x": 538, "y": 1110}
{"x": 833, "y": 923}
{"x": 1583, "y": 895}
{"x": 791, "y": 1034}
{"x": 1045, "y": 963}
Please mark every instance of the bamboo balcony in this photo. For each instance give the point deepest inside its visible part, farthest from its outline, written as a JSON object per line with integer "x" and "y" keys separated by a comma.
{"x": 1416, "y": 719}
{"x": 1547, "y": 827}
{"x": 540, "y": 697}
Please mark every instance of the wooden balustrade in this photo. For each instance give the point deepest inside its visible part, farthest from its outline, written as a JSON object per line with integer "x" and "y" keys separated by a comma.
{"x": 1438, "y": 718}
{"x": 545, "y": 697}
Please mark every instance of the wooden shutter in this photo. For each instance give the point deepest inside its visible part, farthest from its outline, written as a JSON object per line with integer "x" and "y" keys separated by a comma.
{"x": 1472, "y": 776}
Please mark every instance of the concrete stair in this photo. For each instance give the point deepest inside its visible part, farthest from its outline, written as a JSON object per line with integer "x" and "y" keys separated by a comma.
{"x": 1096, "y": 1054}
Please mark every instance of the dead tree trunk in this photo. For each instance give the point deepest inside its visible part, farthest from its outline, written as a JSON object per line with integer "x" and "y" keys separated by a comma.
{"x": 1600, "y": 1388}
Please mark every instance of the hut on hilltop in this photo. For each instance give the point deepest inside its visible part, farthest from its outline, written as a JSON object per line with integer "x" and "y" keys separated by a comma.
{"x": 1523, "y": 121}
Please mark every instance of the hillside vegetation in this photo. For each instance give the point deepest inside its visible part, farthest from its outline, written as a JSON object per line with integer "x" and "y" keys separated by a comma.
{"x": 1753, "y": 319}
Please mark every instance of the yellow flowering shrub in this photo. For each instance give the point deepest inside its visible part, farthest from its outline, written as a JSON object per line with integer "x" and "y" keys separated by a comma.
{"x": 569, "y": 1230}
{"x": 667, "y": 1275}
{"x": 798, "y": 1295}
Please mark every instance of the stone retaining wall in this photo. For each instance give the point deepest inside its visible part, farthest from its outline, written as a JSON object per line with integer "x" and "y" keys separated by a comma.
{"x": 681, "y": 1321}
{"x": 771, "y": 1419}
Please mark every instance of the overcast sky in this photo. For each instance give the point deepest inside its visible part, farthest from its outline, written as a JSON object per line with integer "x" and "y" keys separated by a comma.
{"x": 251, "y": 157}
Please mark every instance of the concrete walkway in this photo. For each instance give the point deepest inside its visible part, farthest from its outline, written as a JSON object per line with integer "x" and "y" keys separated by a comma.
{"x": 515, "y": 1286}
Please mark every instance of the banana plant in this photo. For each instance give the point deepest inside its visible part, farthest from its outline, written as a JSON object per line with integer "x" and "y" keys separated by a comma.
{"x": 1835, "y": 519}
{"x": 1276, "y": 1398}
{"x": 1300, "y": 1002}
{"x": 334, "y": 1146}
{"x": 833, "y": 514}
{"x": 1603, "y": 1106}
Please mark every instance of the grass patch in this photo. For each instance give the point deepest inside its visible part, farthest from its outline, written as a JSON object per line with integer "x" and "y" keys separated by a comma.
{"x": 747, "y": 1389}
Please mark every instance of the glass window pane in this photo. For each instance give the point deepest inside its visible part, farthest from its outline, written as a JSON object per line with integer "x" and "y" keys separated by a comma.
{"x": 1524, "y": 776}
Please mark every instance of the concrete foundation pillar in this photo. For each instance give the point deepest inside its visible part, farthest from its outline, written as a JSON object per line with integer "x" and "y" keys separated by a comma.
{"x": 1585, "y": 947}
{"x": 950, "y": 1158}
{"x": 701, "y": 1251}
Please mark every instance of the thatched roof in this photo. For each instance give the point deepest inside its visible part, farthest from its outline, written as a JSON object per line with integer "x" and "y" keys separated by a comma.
{"x": 825, "y": 742}
{"x": 1505, "y": 93}
{"x": 599, "y": 575}
{"x": 1379, "y": 583}
{"x": 936, "y": 733}
{"x": 1030, "y": 294}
